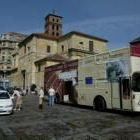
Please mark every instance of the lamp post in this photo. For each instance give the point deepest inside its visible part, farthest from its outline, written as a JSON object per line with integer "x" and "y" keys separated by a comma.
{"x": 4, "y": 78}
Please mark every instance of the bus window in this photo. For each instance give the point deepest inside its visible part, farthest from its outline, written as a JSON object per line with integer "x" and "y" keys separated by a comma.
{"x": 136, "y": 82}
{"x": 126, "y": 89}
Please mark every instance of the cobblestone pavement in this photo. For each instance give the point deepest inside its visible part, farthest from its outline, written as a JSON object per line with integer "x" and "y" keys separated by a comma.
{"x": 65, "y": 122}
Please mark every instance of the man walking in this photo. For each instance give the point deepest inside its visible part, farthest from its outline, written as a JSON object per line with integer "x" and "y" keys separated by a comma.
{"x": 51, "y": 96}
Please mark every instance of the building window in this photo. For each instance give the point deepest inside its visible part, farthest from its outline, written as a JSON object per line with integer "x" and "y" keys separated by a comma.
{"x": 14, "y": 62}
{"x": 39, "y": 67}
{"x": 4, "y": 44}
{"x": 4, "y": 36}
{"x": 10, "y": 53}
{"x": 53, "y": 33}
{"x": 8, "y": 67}
{"x": 57, "y": 27}
{"x": 81, "y": 43}
{"x": 9, "y": 60}
{"x": 57, "y": 34}
{"x": 24, "y": 49}
{"x": 28, "y": 49}
{"x": 48, "y": 49}
{"x": 91, "y": 45}
{"x": 3, "y": 58}
{"x": 62, "y": 48}
{"x": 53, "y": 27}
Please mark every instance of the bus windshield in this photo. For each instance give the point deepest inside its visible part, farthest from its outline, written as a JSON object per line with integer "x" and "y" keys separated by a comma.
{"x": 136, "y": 82}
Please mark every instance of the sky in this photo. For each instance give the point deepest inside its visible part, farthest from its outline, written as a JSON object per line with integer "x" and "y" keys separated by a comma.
{"x": 117, "y": 21}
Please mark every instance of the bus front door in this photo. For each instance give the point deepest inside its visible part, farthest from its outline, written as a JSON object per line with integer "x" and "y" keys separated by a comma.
{"x": 125, "y": 92}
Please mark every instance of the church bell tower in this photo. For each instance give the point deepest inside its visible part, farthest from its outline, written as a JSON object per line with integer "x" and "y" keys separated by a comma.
{"x": 53, "y": 25}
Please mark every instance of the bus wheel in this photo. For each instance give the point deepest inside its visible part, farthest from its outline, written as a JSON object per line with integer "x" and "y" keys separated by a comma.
{"x": 100, "y": 104}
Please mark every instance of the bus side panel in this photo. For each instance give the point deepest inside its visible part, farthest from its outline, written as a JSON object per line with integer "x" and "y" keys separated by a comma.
{"x": 115, "y": 89}
{"x": 92, "y": 83}
{"x": 95, "y": 77}
{"x": 86, "y": 96}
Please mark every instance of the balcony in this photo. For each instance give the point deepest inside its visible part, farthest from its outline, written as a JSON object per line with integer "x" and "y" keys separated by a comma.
{"x": 2, "y": 62}
{"x": 6, "y": 47}
{"x": 5, "y": 61}
{"x": 5, "y": 70}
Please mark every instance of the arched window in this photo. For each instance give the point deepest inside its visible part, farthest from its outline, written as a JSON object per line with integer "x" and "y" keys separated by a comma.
{"x": 57, "y": 27}
{"x": 62, "y": 48}
{"x": 57, "y": 34}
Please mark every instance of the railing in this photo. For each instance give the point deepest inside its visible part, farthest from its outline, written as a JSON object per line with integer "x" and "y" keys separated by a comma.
{"x": 5, "y": 61}
{"x": 7, "y": 47}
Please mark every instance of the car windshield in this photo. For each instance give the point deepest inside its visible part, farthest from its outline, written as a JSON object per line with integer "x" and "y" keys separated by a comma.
{"x": 4, "y": 95}
{"x": 1, "y": 88}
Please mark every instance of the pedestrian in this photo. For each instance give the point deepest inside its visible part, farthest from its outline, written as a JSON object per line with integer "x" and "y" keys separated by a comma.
{"x": 18, "y": 99}
{"x": 51, "y": 96}
{"x": 36, "y": 91}
{"x": 41, "y": 96}
{"x": 27, "y": 91}
{"x": 24, "y": 92}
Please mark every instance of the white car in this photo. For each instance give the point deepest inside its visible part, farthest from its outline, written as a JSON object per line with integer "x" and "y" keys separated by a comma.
{"x": 6, "y": 103}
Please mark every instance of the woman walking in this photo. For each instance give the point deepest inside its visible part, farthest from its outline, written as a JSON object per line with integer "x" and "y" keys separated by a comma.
{"x": 41, "y": 96}
{"x": 18, "y": 100}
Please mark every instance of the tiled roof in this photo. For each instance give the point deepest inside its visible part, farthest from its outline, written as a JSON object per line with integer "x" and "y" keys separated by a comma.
{"x": 43, "y": 35}
{"x": 39, "y": 35}
{"x": 82, "y": 34}
{"x": 135, "y": 40}
{"x": 53, "y": 16}
{"x": 17, "y": 34}
{"x": 13, "y": 36}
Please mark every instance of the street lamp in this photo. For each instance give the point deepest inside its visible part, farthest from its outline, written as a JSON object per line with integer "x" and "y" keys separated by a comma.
{"x": 4, "y": 78}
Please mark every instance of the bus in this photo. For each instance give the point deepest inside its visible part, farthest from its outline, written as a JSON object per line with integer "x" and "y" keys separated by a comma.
{"x": 110, "y": 80}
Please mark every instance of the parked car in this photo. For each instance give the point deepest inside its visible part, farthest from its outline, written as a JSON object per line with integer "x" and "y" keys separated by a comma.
{"x": 6, "y": 103}
{"x": 2, "y": 88}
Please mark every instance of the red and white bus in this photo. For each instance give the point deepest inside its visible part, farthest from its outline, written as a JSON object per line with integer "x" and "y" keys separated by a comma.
{"x": 110, "y": 80}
